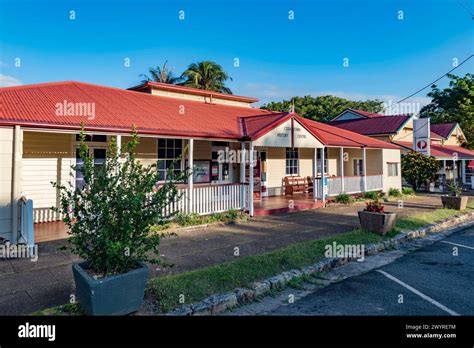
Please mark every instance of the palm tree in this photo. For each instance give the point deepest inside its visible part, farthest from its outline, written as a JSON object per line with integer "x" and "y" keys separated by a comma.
{"x": 163, "y": 75}
{"x": 206, "y": 75}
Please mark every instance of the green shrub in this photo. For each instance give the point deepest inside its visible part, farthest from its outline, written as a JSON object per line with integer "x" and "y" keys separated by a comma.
{"x": 408, "y": 191}
{"x": 371, "y": 195}
{"x": 187, "y": 219}
{"x": 232, "y": 215}
{"x": 110, "y": 217}
{"x": 191, "y": 219}
{"x": 394, "y": 192}
{"x": 343, "y": 198}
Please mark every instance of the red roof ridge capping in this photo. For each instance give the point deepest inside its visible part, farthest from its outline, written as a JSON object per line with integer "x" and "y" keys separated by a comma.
{"x": 190, "y": 90}
{"x": 333, "y": 136}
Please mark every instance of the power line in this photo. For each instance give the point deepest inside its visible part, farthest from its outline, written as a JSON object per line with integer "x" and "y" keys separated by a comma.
{"x": 439, "y": 78}
{"x": 466, "y": 8}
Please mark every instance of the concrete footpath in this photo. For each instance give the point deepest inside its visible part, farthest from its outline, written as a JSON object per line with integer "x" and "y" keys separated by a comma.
{"x": 29, "y": 286}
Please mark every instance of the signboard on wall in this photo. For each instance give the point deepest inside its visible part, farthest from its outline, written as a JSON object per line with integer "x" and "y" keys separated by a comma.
{"x": 421, "y": 136}
{"x": 201, "y": 171}
{"x": 289, "y": 134}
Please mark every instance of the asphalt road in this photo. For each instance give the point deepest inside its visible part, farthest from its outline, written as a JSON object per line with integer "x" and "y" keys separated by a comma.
{"x": 429, "y": 281}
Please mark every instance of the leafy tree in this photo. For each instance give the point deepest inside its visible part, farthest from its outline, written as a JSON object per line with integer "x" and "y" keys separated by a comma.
{"x": 323, "y": 108}
{"x": 161, "y": 74}
{"x": 110, "y": 217}
{"x": 206, "y": 75}
{"x": 453, "y": 104}
{"x": 418, "y": 169}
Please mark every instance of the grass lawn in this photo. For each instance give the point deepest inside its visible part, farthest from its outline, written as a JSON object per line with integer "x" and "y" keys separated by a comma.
{"x": 201, "y": 283}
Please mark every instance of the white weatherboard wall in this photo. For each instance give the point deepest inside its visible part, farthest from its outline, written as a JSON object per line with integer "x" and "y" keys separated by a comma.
{"x": 6, "y": 163}
{"x": 47, "y": 157}
{"x": 391, "y": 156}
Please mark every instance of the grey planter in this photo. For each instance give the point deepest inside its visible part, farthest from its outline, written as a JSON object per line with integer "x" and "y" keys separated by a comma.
{"x": 453, "y": 202}
{"x": 380, "y": 223}
{"x": 116, "y": 295}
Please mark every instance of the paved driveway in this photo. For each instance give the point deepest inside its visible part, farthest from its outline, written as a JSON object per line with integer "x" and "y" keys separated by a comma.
{"x": 28, "y": 286}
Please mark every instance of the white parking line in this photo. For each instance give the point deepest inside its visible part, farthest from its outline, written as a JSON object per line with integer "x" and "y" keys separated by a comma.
{"x": 464, "y": 246}
{"x": 423, "y": 296}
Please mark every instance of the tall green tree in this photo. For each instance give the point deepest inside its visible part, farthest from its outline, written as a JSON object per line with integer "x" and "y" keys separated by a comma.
{"x": 323, "y": 108}
{"x": 206, "y": 75}
{"x": 161, "y": 74}
{"x": 453, "y": 104}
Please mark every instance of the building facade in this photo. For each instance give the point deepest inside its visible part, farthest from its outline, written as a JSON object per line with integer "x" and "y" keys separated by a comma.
{"x": 241, "y": 157}
{"x": 446, "y": 142}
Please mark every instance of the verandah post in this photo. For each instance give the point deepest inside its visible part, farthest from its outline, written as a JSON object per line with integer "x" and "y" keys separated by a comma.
{"x": 315, "y": 169}
{"x": 341, "y": 164}
{"x": 242, "y": 177}
{"x": 323, "y": 194}
{"x": 251, "y": 166}
{"x": 364, "y": 156}
{"x": 190, "y": 177}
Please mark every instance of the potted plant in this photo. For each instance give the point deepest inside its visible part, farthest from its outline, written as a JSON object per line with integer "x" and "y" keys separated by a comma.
{"x": 109, "y": 220}
{"x": 375, "y": 219}
{"x": 454, "y": 200}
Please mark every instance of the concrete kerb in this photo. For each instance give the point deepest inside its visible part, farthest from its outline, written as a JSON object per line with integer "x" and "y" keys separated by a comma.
{"x": 219, "y": 303}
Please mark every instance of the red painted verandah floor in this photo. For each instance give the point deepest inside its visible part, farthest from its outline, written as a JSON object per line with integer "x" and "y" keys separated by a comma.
{"x": 284, "y": 204}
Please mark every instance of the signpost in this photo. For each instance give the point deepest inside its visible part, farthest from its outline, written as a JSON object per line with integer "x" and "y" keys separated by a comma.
{"x": 421, "y": 136}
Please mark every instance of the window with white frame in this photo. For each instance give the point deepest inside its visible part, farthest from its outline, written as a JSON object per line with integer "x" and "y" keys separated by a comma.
{"x": 292, "y": 165}
{"x": 392, "y": 169}
{"x": 168, "y": 151}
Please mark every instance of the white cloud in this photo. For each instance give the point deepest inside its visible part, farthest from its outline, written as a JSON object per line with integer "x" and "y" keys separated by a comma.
{"x": 266, "y": 91}
{"x": 7, "y": 81}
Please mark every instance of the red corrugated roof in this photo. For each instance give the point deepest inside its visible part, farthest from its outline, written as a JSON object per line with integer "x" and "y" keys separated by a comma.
{"x": 333, "y": 136}
{"x": 255, "y": 126}
{"x": 375, "y": 125}
{"x": 442, "y": 129}
{"x": 117, "y": 109}
{"x": 445, "y": 151}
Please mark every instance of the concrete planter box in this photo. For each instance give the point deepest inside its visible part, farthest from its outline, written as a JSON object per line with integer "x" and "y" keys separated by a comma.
{"x": 116, "y": 295}
{"x": 379, "y": 223}
{"x": 453, "y": 202}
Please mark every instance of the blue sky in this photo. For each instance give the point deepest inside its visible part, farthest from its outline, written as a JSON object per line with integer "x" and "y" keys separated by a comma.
{"x": 388, "y": 58}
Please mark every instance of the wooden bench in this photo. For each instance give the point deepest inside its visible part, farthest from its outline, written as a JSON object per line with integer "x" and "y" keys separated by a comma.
{"x": 295, "y": 184}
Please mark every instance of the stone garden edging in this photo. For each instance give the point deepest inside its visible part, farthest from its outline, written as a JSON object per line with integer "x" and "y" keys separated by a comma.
{"x": 219, "y": 303}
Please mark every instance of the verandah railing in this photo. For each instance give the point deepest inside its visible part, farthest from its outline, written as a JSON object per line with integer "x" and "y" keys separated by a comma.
{"x": 352, "y": 184}
{"x": 208, "y": 199}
